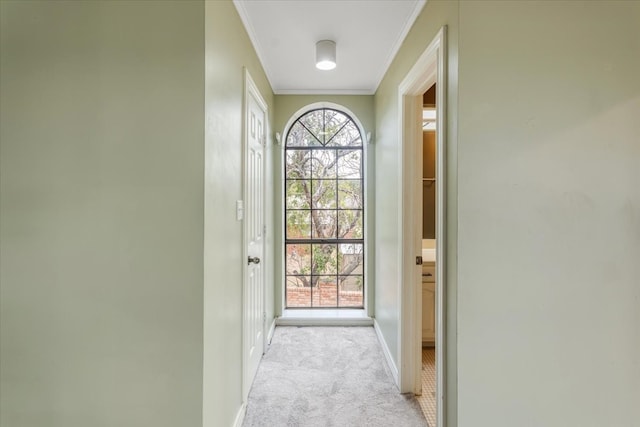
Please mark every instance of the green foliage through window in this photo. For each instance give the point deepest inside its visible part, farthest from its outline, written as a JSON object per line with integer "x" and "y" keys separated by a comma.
{"x": 324, "y": 211}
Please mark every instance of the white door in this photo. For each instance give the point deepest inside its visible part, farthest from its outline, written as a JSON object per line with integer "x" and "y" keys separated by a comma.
{"x": 254, "y": 232}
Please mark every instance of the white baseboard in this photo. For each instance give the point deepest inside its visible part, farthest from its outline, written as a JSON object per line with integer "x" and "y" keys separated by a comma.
{"x": 387, "y": 354}
{"x": 240, "y": 416}
{"x": 272, "y": 329}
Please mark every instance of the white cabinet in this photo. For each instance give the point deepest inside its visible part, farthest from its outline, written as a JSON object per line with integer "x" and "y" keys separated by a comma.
{"x": 428, "y": 303}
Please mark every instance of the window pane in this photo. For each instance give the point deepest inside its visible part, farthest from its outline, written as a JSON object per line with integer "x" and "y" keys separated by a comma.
{"x": 324, "y": 193}
{"x": 300, "y": 137}
{"x": 350, "y": 194}
{"x": 350, "y": 291}
{"x": 298, "y": 194}
{"x": 323, "y": 164}
{"x": 325, "y": 260}
{"x": 334, "y": 121}
{"x": 298, "y": 259}
{"x": 298, "y": 292}
{"x": 324, "y": 225}
{"x": 350, "y": 224}
{"x": 314, "y": 121}
{"x": 348, "y": 136}
{"x": 325, "y": 294}
{"x": 350, "y": 259}
{"x": 349, "y": 163}
{"x": 298, "y": 224}
{"x": 298, "y": 164}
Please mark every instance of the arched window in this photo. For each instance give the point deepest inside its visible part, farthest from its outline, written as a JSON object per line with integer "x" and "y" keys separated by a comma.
{"x": 324, "y": 211}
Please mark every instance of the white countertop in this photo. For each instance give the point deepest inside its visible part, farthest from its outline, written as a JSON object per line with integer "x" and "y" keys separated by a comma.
{"x": 428, "y": 254}
{"x": 428, "y": 250}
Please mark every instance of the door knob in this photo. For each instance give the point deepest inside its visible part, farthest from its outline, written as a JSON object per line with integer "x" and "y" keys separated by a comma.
{"x": 253, "y": 260}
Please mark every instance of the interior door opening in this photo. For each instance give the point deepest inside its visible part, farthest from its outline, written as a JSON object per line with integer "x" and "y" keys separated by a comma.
{"x": 427, "y": 210}
{"x": 429, "y": 69}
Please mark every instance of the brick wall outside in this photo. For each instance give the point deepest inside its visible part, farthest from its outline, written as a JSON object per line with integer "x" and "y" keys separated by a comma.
{"x": 324, "y": 295}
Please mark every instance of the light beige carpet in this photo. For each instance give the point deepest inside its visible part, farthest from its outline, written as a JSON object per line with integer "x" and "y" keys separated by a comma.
{"x": 328, "y": 377}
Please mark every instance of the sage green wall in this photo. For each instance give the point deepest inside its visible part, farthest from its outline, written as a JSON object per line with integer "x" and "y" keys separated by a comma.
{"x": 433, "y": 17}
{"x": 101, "y": 213}
{"x": 286, "y": 106}
{"x": 548, "y": 283}
{"x": 549, "y": 213}
{"x": 228, "y": 50}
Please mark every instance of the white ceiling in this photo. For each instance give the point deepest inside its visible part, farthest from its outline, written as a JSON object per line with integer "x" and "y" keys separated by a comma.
{"x": 368, "y": 34}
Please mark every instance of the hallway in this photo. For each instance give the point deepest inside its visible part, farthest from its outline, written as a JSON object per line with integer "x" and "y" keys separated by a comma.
{"x": 327, "y": 376}
{"x": 124, "y": 212}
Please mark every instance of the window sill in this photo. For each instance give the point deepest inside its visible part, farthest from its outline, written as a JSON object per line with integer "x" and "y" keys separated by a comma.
{"x": 324, "y": 317}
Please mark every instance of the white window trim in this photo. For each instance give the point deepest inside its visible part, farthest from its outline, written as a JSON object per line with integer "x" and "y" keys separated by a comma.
{"x": 368, "y": 286}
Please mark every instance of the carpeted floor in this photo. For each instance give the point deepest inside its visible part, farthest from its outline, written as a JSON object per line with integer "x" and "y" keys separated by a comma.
{"x": 327, "y": 377}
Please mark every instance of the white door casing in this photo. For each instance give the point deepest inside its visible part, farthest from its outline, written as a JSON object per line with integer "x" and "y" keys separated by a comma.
{"x": 429, "y": 68}
{"x": 255, "y": 119}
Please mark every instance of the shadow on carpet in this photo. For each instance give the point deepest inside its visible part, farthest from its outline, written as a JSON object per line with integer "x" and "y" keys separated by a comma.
{"x": 329, "y": 377}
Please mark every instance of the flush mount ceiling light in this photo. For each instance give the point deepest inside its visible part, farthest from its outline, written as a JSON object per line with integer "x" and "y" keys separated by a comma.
{"x": 326, "y": 55}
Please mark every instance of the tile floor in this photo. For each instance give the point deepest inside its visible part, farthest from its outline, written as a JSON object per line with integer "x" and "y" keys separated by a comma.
{"x": 428, "y": 399}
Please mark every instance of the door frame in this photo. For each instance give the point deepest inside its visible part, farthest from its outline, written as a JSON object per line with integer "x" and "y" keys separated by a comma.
{"x": 430, "y": 67}
{"x": 251, "y": 90}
